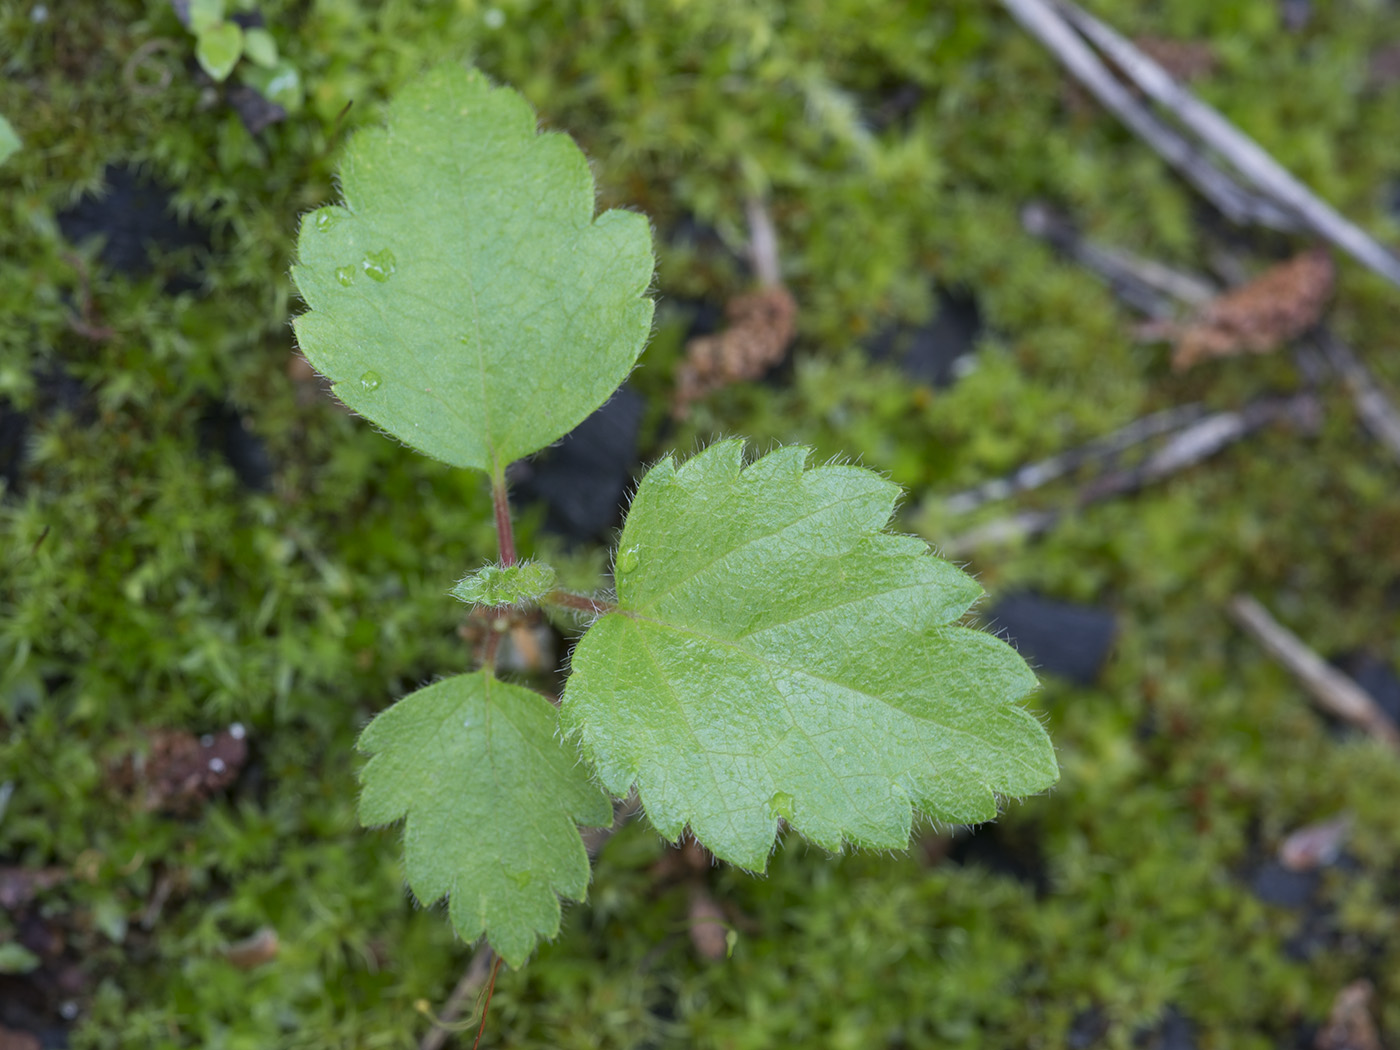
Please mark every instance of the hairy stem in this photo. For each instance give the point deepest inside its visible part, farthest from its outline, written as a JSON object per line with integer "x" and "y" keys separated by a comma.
{"x": 496, "y": 627}
{"x": 581, "y": 602}
{"x": 505, "y": 530}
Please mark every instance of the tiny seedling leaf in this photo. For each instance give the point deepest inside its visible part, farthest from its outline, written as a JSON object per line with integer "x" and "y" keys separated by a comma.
{"x": 776, "y": 655}
{"x": 492, "y": 797}
{"x": 501, "y": 585}
{"x": 464, "y": 297}
{"x": 9, "y": 141}
{"x": 218, "y": 48}
{"x": 260, "y": 47}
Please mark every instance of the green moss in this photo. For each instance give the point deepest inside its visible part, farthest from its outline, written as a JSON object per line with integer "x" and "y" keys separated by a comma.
{"x": 141, "y": 586}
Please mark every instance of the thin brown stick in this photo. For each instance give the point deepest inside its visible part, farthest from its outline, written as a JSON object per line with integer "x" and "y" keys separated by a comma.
{"x": 467, "y": 988}
{"x": 486, "y": 1006}
{"x": 1334, "y": 691}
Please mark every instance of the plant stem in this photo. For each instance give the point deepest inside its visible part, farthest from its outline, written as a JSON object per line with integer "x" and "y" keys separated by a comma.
{"x": 505, "y": 531}
{"x": 581, "y": 602}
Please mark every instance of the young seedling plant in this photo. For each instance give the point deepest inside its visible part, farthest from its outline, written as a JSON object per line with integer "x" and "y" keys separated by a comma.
{"x": 772, "y": 656}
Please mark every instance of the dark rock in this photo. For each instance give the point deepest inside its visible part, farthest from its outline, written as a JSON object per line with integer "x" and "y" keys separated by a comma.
{"x": 132, "y": 214}
{"x": 896, "y": 102}
{"x": 1173, "y": 1032}
{"x": 930, "y": 353}
{"x": 257, "y": 112}
{"x": 1004, "y": 852}
{"x": 1057, "y": 638}
{"x": 1272, "y": 883}
{"x": 1296, "y": 14}
{"x": 1087, "y": 1029}
{"x": 222, "y": 430}
{"x": 1316, "y": 934}
{"x": 14, "y": 438}
{"x": 582, "y": 481}
{"x": 1377, "y": 677}
{"x": 55, "y": 390}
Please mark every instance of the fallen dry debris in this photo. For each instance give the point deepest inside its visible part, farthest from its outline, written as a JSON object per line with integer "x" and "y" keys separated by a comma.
{"x": 1349, "y": 1027}
{"x": 1315, "y": 845}
{"x": 19, "y": 886}
{"x": 1279, "y": 305}
{"x": 1334, "y": 691}
{"x": 179, "y": 771}
{"x": 706, "y": 923}
{"x": 255, "y": 950}
{"x": 761, "y": 325}
{"x": 13, "y": 1040}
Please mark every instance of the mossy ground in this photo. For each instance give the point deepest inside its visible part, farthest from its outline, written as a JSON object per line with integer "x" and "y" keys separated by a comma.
{"x": 143, "y": 586}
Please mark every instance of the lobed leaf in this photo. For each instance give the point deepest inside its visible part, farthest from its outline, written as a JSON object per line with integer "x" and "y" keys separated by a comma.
{"x": 776, "y": 655}
{"x": 492, "y": 798}
{"x": 464, "y": 297}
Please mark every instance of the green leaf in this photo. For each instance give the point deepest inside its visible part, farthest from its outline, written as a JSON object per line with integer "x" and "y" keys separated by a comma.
{"x": 205, "y": 13}
{"x": 16, "y": 958}
{"x": 492, "y": 796}
{"x": 259, "y": 46}
{"x": 218, "y": 48}
{"x": 775, "y": 654}
{"x": 464, "y": 297}
{"x": 281, "y": 84}
{"x": 501, "y": 585}
{"x": 9, "y": 141}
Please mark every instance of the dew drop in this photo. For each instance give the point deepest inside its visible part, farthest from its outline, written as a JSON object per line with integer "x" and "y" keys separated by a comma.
{"x": 345, "y": 275}
{"x": 370, "y": 381}
{"x": 628, "y": 560}
{"x": 380, "y": 265}
{"x": 325, "y": 219}
{"x": 783, "y": 805}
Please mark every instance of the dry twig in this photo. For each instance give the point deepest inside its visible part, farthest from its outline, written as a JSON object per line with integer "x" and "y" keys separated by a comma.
{"x": 1270, "y": 195}
{"x": 1146, "y": 285}
{"x": 1190, "y": 445}
{"x": 1334, "y": 692}
{"x": 466, "y": 991}
{"x": 1377, "y": 413}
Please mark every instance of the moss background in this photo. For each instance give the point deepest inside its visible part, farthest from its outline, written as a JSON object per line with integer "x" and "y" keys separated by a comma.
{"x": 142, "y": 585}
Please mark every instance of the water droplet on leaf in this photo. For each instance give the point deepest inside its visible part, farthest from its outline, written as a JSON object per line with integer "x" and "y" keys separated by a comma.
{"x": 380, "y": 265}
{"x": 345, "y": 275}
{"x": 371, "y": 380}
{"x": 627, "y": 561}
{"x": 326, "y": 218}
{"x": 783, "y": 805}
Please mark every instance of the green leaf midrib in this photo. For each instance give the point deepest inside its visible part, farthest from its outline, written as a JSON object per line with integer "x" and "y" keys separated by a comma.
{"x": 770, "y": 662}
{"x": 730, "y": 552}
